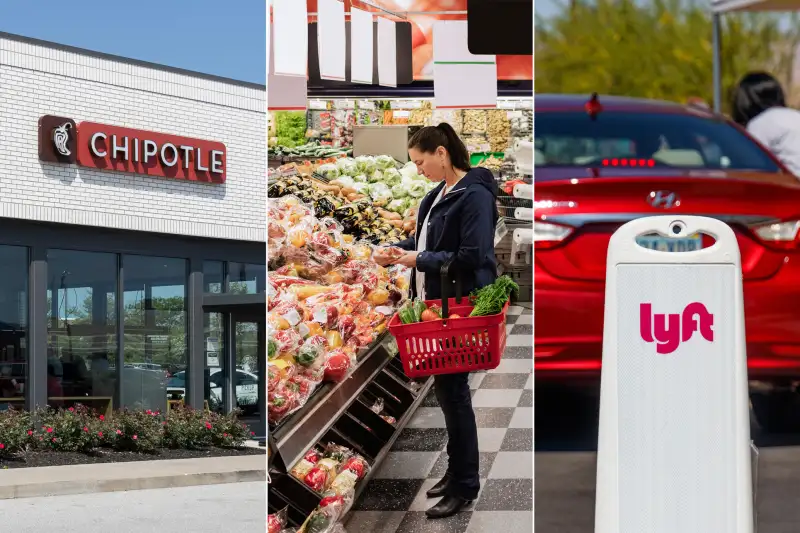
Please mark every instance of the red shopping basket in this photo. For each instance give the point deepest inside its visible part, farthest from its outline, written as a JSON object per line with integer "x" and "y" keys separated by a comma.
{"x": 449, "y": 346}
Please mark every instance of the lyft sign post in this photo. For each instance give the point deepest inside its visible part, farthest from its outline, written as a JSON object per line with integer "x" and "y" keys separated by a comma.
{"x": 674, "y": 451}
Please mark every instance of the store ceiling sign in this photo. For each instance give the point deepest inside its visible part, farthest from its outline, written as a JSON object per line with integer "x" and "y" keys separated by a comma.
{"x": 453, "y": 64}
{"x": 331, "y": 40}
{"x": 105, "y": 147}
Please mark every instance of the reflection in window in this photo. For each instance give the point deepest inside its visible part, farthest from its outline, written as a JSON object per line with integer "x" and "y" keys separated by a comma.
{"x": 13, "y": 322}
{"x": 246, "y": 278}
{"x": 155, "y": 328}
{"x": 212, "y": 277}
{"x": 246, "y": 380}
{"x": 214, "y": 339}
{"x": 81, "y": 328}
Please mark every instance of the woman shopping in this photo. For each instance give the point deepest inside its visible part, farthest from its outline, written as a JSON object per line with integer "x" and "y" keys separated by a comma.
{"x": 456, "y": 225}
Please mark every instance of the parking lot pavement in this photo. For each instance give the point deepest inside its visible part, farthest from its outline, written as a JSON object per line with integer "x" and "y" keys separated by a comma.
{"x": 566, "y": 442}
{"x": 239, "y": 507}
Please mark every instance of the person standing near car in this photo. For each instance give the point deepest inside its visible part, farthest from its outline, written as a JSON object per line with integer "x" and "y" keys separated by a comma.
{"x": 456, "y": 226}
{"x": 759, "y": 105}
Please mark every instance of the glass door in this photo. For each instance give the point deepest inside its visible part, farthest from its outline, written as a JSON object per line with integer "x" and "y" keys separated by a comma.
{"x": 247, "y": 350}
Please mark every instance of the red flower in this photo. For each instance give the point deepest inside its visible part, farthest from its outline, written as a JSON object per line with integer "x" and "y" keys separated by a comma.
{"x": 30, "y": 432}
{"x": 71, "y": 409}
{"x": 149, "y": 412}
{"x": 119, "y": 432}
{"x": 2, "y": 446}
{"x": 164, "y": 423}
{"x": 252, "y": 433}
{"x": 135, "y": 437}
{"x": 49, "y": 430}
{"x": 86, "y": 429}
{"x": 54, "y": 439}
{"x": 102, "y": 418}
{"x": 208, "y": 425}
{"x": 99, "y": 433}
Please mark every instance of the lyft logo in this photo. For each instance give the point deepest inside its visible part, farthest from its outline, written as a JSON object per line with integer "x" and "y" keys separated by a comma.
{"x": 670, "y": 330}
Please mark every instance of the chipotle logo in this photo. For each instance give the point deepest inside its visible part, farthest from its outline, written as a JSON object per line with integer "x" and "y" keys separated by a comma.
{"x": 93, "y": 145}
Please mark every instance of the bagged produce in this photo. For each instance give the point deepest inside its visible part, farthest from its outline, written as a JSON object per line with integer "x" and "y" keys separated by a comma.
{"x": 337, "y": 366}
{"x": 281, "y": 402}
{"x": 304, "y": 465}
{"x": 337, "y": 452}
{"x": 309, "y": 354}
{"x": 288, "y": 340}
{"x": 320, "y": 477}
{"x": 357, "y": 465}
{"x": 277, "y": 521}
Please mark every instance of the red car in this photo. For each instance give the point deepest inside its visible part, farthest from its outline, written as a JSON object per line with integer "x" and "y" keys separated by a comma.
{"x": 602, "y": 161}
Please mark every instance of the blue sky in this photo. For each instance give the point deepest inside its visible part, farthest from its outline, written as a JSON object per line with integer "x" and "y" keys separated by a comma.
{"x": 211, "y": 36}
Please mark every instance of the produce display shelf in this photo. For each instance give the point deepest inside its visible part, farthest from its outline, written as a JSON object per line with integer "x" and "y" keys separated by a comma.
{"x": 476, "y": 157}
{"x": 342, "y": 414}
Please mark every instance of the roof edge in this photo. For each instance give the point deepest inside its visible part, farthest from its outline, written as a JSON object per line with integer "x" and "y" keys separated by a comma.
{"x": 130, "y": 61}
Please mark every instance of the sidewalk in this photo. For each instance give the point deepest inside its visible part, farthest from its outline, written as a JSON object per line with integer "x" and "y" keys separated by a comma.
{"x": 112, "y": 477}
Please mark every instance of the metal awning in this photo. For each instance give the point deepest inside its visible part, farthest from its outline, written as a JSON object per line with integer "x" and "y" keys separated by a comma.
{"x": 252, "y": 306}
{"x": 719, "y": 7}
{"x": 727, "y": 6}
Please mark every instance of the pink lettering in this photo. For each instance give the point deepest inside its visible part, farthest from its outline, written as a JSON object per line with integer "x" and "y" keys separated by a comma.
{"x": 669, "y": 330}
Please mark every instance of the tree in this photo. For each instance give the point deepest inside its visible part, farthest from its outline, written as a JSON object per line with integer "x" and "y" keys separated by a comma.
{"x": 660, "y": 49}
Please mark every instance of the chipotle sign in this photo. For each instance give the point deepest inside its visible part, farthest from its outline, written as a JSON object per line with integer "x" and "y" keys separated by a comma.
{"x": 105, "y": 147}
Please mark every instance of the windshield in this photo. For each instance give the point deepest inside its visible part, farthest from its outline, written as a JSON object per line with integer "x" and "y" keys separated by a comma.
{"x": 668, "y": 139}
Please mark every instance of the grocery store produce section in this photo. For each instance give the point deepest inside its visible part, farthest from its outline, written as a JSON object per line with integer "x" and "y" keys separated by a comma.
{"x": 337, "y": 394}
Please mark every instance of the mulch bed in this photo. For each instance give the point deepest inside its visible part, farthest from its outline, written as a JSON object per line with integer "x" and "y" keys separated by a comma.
{"x": 51, "y": 458}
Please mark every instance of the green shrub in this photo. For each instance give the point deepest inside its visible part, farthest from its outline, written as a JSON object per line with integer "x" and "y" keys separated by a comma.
{"x": 76, "y": 429}
{"x": 137, "y": 431}
{"x": 15, "y": 432}
{"x": 187, "y": 428}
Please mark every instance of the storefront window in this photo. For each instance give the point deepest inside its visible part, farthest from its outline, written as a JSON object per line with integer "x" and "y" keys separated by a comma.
{"x": 246, "y": 375}
{"x": 82, "y": 328}
{"x": 13, "y": 324}
{"x": 212, "y": 277}
{"x": 214, "y": 356}
{"x": 246, "y": 278}
{"x": 155, "y": 328}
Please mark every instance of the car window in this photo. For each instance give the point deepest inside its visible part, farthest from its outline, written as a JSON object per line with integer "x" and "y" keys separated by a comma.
{"x": 663, "y": 139}
{"x": 178, "y": 380}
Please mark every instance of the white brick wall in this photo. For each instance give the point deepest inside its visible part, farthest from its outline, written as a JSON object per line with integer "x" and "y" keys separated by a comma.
{"x": 38, "y": 80}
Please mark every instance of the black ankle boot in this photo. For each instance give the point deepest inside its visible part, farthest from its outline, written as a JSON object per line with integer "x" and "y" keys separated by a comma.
{"x": 447, "y": 506}
{"x": 439, "y": 489}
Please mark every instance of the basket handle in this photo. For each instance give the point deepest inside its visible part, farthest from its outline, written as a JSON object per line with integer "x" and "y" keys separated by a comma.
{"x": 445, "y": 272}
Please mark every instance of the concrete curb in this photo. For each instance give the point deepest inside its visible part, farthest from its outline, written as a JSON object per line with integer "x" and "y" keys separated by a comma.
{"x": 116, "y": 477}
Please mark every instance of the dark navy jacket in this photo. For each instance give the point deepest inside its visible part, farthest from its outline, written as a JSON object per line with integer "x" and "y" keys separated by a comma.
{"x": 461, "y": 228}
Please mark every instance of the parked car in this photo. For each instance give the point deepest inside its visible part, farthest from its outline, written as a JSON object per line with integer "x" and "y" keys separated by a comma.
{"x": 602, "y": 161}
{"x": 246, "y": 388}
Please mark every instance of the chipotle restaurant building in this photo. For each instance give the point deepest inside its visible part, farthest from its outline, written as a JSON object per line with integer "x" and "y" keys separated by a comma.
{"x": 132, "y": 233}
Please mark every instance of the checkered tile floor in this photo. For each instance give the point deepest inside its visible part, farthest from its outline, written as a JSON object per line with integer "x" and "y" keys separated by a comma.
{"x": 395, "y": 501}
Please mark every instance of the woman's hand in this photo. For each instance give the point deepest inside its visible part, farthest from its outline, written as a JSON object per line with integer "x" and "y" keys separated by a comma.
{"x": 382, "y": 256}
{"x": 408, "y": 259}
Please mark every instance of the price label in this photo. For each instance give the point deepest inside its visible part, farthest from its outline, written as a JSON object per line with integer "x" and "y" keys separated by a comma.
{"x": 506, "y": 104}
{"x": 391, "y": 346}
{"x": 317, "y": 104}
{"x": 345, "y": 104}
{"x": 366, "y": 104}
{"x": 526, "y": 104}
{"x": 402, "y": 114}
